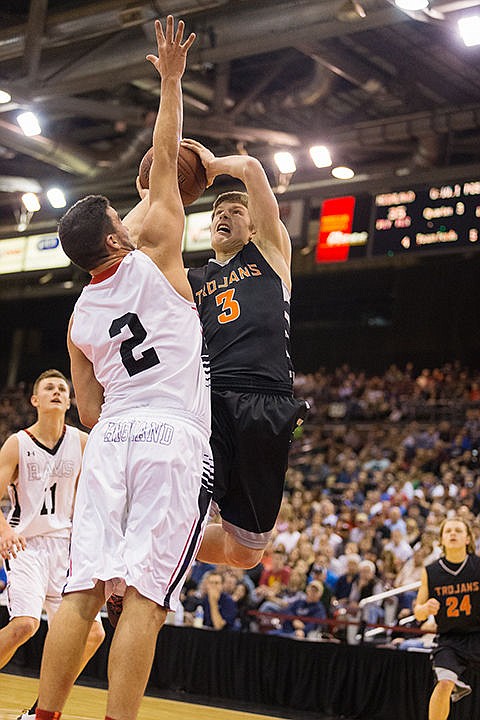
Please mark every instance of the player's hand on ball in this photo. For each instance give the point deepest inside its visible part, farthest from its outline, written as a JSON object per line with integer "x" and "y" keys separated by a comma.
{"x": 205, "y": 155}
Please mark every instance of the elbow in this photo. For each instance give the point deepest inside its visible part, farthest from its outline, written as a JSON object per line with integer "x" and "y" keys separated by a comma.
{"x": 252, "y": 168}
{"x": 88, "y": 419}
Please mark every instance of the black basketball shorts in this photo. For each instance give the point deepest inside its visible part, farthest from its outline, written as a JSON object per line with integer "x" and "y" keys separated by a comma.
{"x": 251, "y": 436}
{"x": 457, "y": 651}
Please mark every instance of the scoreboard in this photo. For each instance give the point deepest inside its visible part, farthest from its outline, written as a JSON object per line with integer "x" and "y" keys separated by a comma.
{"x": 427, "y": 220}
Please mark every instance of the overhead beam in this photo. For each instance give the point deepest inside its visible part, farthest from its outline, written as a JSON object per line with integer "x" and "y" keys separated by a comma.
{"x": 113, "y": 68}
{"x": 33, "y": 39}
{"x": 71, "y": 159}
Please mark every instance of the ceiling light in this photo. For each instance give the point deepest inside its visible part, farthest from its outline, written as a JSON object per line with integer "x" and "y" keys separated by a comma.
{"x": 470, "y": 30}
{"x": 412, "y": 4}
{"x": 29, "y": 124}
{"x": 342, "y": 173}
{"x": 31, "y": 202}
{"x": 56, "y": 198}
{"x": 321, "y": 156}
{"x": 5, "y": 97}
{"x": 285, "y": 162}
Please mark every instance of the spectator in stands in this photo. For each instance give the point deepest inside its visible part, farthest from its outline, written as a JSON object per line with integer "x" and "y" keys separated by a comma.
{"x": 279, "y": 571}
{"x": 219, "y": 608}
{"x": 276, "y": 599}
{"x": 242, "y": 597}
{"x": 319, "y": 572}
{"x": 398, "y": 546}
{"x": 310, "y": 606}
{"x": 364, "y": 586}
{"x": 289, "y": 537}
{"x": 343, "y": 586}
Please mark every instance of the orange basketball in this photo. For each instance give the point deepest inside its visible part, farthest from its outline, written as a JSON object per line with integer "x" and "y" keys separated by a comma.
{"x": 192, "y": 180}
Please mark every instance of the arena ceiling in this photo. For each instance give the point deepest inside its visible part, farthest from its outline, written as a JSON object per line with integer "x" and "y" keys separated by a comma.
{"x": 395, "y": 96}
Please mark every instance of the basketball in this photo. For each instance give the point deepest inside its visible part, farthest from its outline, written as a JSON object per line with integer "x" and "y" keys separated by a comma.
{"x": 192, "y": 180}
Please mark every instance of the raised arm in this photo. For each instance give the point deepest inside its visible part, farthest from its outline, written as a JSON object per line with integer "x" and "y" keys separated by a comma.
{"x": 162, "y": 230}
{"x": 271, "y": 236}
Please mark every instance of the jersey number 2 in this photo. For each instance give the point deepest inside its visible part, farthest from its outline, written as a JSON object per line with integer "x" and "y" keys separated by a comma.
{"x": 148, "y": 358}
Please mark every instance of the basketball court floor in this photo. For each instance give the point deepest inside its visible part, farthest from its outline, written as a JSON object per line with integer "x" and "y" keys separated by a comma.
{"x": 88, "y": 703}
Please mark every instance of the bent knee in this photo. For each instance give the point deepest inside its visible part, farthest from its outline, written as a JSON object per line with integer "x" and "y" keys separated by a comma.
{"x": 96, "y": 635}
{"x": 240, "y": 556}
{"x": 23, "y": 628}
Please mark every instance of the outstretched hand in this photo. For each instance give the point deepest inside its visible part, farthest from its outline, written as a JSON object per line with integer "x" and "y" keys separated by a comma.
{"x": 172, "y": 52}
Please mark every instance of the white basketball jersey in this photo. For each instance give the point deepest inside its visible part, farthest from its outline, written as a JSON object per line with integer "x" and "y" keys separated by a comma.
{"x": 144, "y": 341}
{"x": 42, "y": 495}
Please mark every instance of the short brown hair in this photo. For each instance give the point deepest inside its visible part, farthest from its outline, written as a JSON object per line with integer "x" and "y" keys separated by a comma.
{"x": 48, "y": 374}
{"x": 82, "y": 231}
{"x": 235, "y": 196}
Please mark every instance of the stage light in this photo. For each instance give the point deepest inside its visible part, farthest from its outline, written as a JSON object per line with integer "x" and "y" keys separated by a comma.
{"x": 29, "y": 123}
{"x": 5, "y": 97}
{"x": 56, "y": 198}
{"x": 285, "y": 162}
{"x": 470, "y": 30}
{"x": 31, "y": 202}
{"x": 320, "y": 155}
{"x": 342, "y": 173}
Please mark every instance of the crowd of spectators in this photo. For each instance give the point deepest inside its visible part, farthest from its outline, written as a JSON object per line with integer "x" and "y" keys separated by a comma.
{"x": 380, "y": 462}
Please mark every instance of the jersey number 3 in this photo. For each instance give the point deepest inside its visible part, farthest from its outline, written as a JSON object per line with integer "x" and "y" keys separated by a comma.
{"x": 148, "y": 358}
{"x": 230, "y": 307}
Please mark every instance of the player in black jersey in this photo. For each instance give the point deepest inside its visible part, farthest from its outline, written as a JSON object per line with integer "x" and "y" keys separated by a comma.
{"x": 450, "y": 590}
{"x": 243, "y": 297}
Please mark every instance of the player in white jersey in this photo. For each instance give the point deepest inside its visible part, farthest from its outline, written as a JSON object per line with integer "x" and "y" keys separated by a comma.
{"x": 40, "y": 466}
{"x": 145, "y": 488}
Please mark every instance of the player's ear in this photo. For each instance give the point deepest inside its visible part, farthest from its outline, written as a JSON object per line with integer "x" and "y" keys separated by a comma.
{"x": 34, "y": 400}
{"x": 111, "y": 241}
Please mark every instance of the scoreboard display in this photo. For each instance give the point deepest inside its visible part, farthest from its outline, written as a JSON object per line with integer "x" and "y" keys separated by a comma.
{"x": 428, "y": 220}
{"x": 343, "y": 228}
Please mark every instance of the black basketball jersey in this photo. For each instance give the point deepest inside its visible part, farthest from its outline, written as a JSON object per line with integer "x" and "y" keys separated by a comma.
{"x": 245, "y": 310}
{"x": 457, "y": 589}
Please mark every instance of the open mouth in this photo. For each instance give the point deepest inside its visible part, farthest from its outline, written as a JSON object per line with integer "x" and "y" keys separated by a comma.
{"x": 223, "y": 229}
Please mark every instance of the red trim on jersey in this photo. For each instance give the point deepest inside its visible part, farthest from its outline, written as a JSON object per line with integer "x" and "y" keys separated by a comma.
{"x": 105, "y": 274}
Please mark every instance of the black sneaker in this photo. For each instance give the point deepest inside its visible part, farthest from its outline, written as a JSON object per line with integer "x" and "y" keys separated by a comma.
{"x": 114, "y": 610}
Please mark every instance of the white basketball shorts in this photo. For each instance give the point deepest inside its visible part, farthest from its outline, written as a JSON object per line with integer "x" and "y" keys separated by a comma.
{"x": 36, "y": 577}
{"x": 142, "y": 505}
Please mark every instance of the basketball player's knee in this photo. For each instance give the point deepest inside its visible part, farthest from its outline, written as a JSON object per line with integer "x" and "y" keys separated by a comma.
{"x": 96, "y": 636}
{"x": 243, "y": 557}
{"x": 23, "y": 628}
